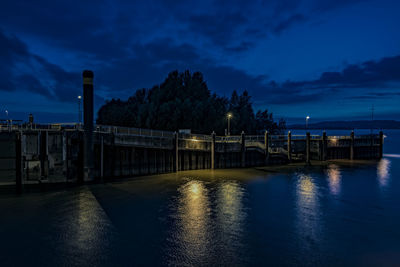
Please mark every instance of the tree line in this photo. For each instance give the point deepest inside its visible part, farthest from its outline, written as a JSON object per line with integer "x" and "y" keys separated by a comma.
{"x": 183, "y": 101}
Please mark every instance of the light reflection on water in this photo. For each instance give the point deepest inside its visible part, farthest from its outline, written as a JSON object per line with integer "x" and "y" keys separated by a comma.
{"x": 230, "y": 220}
{"x": 334, "y": 178}
{"x": 193, "y": 218}
{"x": 383, "y": 172}
{"x": 307, "y": 207}
{"x": 208, "y": 224}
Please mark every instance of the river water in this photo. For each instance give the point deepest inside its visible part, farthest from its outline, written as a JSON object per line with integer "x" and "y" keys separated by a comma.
{"x": 324, "y": 216}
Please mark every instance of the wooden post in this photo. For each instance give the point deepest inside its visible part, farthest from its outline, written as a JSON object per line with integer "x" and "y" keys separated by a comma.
{"x": 43, "y": 154}
{"x": 176, "y": 157}
{"x": 381, "y": 139}
{"x": 243, "y": 149}
{"x": 352, "y": 145}
{"x": 18, "y": 162}
{"x": 308, "y": 148}
{"x": 266, "y": 143}
{"x": 64, "y": 155}
{"x": 213, "y": 151}
{"x": 289, "y": 146}
{"x": 102, "y": 158}
{"x": 324, "y": 146}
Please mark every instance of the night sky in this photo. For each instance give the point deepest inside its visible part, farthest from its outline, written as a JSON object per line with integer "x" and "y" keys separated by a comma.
{"x": 330, "y": 59}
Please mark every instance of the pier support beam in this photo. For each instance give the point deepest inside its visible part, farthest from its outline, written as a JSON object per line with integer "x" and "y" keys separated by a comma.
{"x": 324, "y": 146}
{"x": 44, "y": 166}
{"x": 18, "y": 162}
{"x": 213, "y": 151}
{"x": 289, "y": 146}
{"x": 243, "y": 149}
{"x": 352, "y": 145}
{"x": 176, "y": 152}
{"x": 102, "y": 158}
{"x": 65, "y": 154}
{"x": 88, "y": 123}
{"x": 266, "y": 143}
{"x": 308, "y": 148}
{"x": 381, "y": 139}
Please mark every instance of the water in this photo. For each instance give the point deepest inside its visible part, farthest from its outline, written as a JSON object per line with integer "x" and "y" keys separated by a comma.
{"x": 334, "y": 215}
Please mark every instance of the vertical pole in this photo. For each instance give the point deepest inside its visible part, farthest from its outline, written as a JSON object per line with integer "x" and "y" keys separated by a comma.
{"x": 176, "y": 157}
{"x": 229, "y": 125}
{"x": 324, "y": 146}
{"x": 102, "y": 158}
{"x": 18, "y": 162}
{"x": 381, "y": 139}
{"x": 308, "y": 147}
{"x": 213, "y": 151}
{"x": 43, "y": 154}
{"x": 352, "y": 145}
{"x": 266, "y": 143}
{"x": 64, "y": 155}
{"x": 243, "y": 149}
{"x": 289, "y": 146}
{"x": 88, "y": 122}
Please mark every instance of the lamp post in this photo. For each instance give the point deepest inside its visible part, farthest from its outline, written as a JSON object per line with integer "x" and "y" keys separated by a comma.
{"x": 79, "y": 109}
{"x": 307, "y": 118}
{"x": 229, "y": 123}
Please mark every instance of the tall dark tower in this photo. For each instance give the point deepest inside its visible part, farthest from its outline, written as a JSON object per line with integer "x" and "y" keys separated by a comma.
{"x": 88, "y": 123}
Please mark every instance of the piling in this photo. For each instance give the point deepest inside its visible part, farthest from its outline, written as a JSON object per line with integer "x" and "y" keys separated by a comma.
{"x": 88, "y": 123}
{"x": 381, "y": 139}
{"x": 308, "y": 148}
{"x": 213, "y": 151}
{"x": 289, "y": 146}
{"x": 266, "y": 144}
{"x": 352, "y": 145}
{"x": 176, "y": 154}
{"x": 18, "y": 162}
{"x": 243, "y": 149}
{"x": 324, "y": 146}
{"x": 102, "y": 158}
{"x": 44, "y": 154}
{"x": 65, "y": 153}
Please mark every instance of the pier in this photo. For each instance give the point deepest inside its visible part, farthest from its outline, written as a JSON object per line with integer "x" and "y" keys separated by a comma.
{"x": 75, "y": 153}
{"x": 56, "y": 153}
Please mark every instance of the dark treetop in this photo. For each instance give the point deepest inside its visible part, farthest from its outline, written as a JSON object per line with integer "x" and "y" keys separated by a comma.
{"x": 183, "y": 101}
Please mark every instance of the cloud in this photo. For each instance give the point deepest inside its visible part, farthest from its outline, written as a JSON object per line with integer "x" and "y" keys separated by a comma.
{"x": 289, "y": 22}
{"x": 22, "y": 70}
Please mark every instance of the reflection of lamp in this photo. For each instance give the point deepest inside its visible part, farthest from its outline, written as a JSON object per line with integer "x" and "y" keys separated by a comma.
{"x": 193, "y": 219}
{"x": 334, "y": 177}
{"x": 383, "y": 171}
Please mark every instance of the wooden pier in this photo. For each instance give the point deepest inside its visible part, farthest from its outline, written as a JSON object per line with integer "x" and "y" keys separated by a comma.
{"x": 57, "y": 154}
{"x": 82, "y": 153}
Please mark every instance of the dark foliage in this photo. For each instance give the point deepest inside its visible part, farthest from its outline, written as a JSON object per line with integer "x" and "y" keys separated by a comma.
{"x": 183, "y": 101}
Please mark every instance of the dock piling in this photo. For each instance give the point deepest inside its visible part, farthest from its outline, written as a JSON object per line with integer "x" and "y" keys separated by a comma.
{"x": 308, "y": 148}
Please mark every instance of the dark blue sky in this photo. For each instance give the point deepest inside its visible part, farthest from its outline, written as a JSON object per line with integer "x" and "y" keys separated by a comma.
{"x": 330, "y": 59}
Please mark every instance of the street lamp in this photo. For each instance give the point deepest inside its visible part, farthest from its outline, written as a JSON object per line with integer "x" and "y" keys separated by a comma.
{"x": 229, "y": 123}
{"x": 307, "y": 118}
{"x": 79, "y": 109}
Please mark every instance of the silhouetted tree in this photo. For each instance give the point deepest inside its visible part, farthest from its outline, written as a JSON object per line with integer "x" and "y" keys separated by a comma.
{"x": 183, "y": 101}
